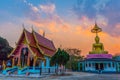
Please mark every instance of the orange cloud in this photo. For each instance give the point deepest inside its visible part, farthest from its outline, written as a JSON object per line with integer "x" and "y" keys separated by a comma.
{"x": 73, "y": 36}
{"x": 52, "y": 27}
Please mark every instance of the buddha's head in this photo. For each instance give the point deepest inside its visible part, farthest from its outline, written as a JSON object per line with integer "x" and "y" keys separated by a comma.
{"x": 97, "y": 39}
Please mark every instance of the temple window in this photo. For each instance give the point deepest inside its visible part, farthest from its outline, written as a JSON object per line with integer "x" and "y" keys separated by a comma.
{"x": 109, "y": 65}
{"x": 37, "y": 63}
{"x": 9, "y": 64}
{"x": 86, "y": 64}
{"x": 93, "y": 64}
{"x": 89, "y": 65}
{"x": 113, "y": 64}
{"x": 105, "y": 65}
{"x": 31, "y": 61}
{"x": 16, "y": 61}
{"x": 45, "y": 63}
{"x": 24, "y": 56}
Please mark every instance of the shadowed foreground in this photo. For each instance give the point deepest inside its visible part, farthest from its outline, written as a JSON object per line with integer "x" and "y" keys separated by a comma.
{"x": 73, "y": 76}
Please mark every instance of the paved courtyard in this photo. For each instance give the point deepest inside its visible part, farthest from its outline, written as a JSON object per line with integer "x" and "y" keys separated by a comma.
{"x": 73, "y": 76}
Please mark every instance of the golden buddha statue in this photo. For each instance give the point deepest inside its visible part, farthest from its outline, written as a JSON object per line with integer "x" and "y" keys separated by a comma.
{"x": 97, "y": 47}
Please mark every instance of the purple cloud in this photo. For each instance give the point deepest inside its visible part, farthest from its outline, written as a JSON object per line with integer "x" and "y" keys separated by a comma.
{"x": 108, "y": 9}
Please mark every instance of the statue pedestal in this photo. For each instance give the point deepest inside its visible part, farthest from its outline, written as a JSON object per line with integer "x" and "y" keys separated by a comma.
{"x": 108, "y": 56}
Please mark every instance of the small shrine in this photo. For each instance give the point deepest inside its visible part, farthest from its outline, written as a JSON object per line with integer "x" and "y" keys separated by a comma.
{"x": 98, "y": 59}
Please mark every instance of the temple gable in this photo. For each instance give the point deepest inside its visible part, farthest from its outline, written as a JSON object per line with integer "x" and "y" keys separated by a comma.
{"x": 31, "y": 49}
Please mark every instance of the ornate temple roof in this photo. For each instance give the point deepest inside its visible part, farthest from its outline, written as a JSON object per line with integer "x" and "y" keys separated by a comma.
{"x": 37, "y": 44}
{"x": 42, "y": 41}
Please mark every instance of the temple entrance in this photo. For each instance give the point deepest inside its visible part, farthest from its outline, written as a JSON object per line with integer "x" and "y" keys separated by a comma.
{"x": 99, "y": 66}
{"x": 31, "y": 62}
{"x": 24, "y": 56}
{"x": 15, "y": 61}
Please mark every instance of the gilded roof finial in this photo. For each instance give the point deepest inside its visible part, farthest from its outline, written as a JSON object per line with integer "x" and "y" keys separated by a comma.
{"x": 23, "y": 26}
{"x": 43, "y": 33}
{"x": 96, "y": 29}
{"x": 32, "y": 28}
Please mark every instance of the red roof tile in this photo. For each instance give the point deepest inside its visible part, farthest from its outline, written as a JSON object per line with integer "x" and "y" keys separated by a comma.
{"x": 36, "y": 51}
{"x": 47, "y": 51}
{"x": 30, "y": 38}
{"x": 44, "y": 41}
{"x": 45, "y": 45}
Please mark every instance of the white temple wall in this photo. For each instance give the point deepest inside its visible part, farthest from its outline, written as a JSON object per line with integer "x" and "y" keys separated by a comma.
{"x": 108, "y": 66}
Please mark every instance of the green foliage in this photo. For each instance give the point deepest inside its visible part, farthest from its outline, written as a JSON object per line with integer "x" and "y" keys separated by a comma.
{"x": 61, "y": 57}
{"x": 73, "y": 62}
{"x": 5, "y": 49}
{"x": 3, "y": 42}
{"x": 74, "y": 65}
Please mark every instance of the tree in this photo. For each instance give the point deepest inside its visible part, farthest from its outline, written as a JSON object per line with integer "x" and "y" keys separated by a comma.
{"x": 60, "y": 58}
{"x": 75, "y": 57}
{"x": 5, "y": 49}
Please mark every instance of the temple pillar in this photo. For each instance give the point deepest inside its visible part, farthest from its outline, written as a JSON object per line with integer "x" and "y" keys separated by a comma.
{"x": 92, "y": 66}
{"x": 18, "y": 61}
{"x": 13, "y": 62}
{"x": 3, "y": 64}
{"x": 111, "y": 65}
{"x": 28, "y": 61}
{"x": 35, "y": 59}
{"x": 118, "y": 67}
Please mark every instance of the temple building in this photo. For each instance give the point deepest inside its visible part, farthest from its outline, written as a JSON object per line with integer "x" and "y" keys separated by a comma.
{"x": 99, "y": 60}
{"x": 32, "y": 50}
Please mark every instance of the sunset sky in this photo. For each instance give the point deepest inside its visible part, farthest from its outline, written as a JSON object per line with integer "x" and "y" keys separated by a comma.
{"x": 65, "y": 22}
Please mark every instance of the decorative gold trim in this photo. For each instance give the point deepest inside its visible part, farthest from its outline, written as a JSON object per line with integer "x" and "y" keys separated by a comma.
{"x": 48, "y": 55}
{"x": 43, "y": 51}
{"x": 17, "y": 43}
{"x": 26, "y": 37}
{"x": 34, "y": 36}
{"x": 33, "y": 46}
{"x": 40, "y": 49}
{"x": 13, "y": 62}
{"x": 11, "y": 52}
{"x": 34, "y": 53}
{"x": 46, "y": 47}
{"x": 31, "y": 51}
{"x": 41, "y": 44}
{"x": 37, "y": 42}
{"x": 41, "y": 58}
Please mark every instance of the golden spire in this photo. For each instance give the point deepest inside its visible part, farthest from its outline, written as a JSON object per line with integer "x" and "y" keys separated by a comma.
{"x": 96, "y": 29}
{"x": 23, "y": 26}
